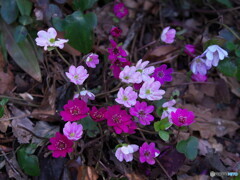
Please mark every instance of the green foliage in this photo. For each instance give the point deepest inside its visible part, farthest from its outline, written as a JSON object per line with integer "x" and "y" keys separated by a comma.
{"x": 230, "y": 45}
{"x": 226, "y": 3}
{"x": 214, "y": 41}
{"x": 25, "y": 7}
{"x": 27, "y": 161}
{"x": 227, "y": 67}
{"x": 90, "y": 126}
{"x": 162, "y": 124}
{"x": 9, "y": 11}
{"x": 83, "y": 5}
{"x": 25, "y": 20}
{"x": 3, "y": 102}
{"x": 20, "y": 33}
{"x": 164, "y": 135}
{"x": 188, "y": 147}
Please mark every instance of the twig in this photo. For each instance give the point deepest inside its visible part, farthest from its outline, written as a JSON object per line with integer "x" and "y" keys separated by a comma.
{"x": 164, "y": 170}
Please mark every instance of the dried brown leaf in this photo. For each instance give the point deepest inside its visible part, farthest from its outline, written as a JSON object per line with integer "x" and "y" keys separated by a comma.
{"x": 87, "y": 173}
{"x": 4, "y": 124}
{"x": 233, "y": 83}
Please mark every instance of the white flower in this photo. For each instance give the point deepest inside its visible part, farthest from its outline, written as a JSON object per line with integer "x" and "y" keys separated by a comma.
{"x": 126, "y": 97}
{"x": 199, "y": 66}
{"x": 150, "y": 90}
{"x": 214, "y": 53}
{"x": 145, "y": 72}
{"x": 47, "y": 39}
{"x": 129, "y": 75}
{"x": 126, "y": 152}
{"x": 85, "y": 95}
{"x": 169, "y": 109}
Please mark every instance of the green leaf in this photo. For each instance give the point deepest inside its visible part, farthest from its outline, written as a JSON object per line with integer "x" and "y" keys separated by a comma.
{"x": 237, "y": 52}
{"x": 230, "y": 45}
{"x": 91, "y": 18}
{"x": 9, "y": 11}
{"x": 25, "y": 7}
{"x": 1, "y": 111}
{"x": 3, "y": 101}
{"x": 79, "y": 31}
{"x": 20, "y": 33}
{"x": 214, "y": 41}
{"x": 58, "y": 23}
{"x": 188, "y": 147}
{"x": 162, "y": 124}
{"x": 28, "y": 162}
{"x": 164, "y": 135}
{"x": 53, "y": 11}
{"x": 227, "y": 3}
{"x": 227, "y": 67}
{"x": 90, "y": 126}
{"x": 83, "y": 5}
{"x": 25, "y": 20}
{"x": 22, "y": 53}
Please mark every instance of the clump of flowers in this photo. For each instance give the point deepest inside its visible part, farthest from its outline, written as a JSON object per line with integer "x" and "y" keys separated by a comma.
{"x": 130, "y": 75}
{"x": 144, "y": 70}
{"x": 199, "y": 66}
{"x": 98, "y": 114}
{"x": 73, "y": 131}
{"x": 120, "y": 10}
{"x": 117, "y": 67}
{"x": 162, "y": 74}
{"x": 182, "y": 117}
{"x": 168, "y": 109}
{"x": 126, "y": 152}
{"x": 74, "y": 110}
{"x": 92, "y": 60}
{"x": 126, "y": 97}
{"x": 116, "y": 32}
{"x": 142, "y": 111}
{"x": 168, "y": 35}
{"x": 148, "y": 152}
{"x": 77, "y": 75}
{"x": 47, "y": 39}
{"x": 60, "y": 146}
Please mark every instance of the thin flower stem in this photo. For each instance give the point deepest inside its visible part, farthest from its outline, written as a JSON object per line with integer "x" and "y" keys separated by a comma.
{"x": 164, "y": 170}
{"x": 62, "y": 57}
{"x": 232, "y": 31}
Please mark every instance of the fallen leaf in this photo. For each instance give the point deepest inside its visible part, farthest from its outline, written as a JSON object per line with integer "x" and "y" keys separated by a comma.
{"x": 134, "y": 176}
{"x": 203, "y": 147}
{"x": 193, "y": 94}
{"x": 14, "y": 171}
{"x": 233, "y": 83}
{"x": 87, "y": 173}
{"x": 208, "y": 89}
{"x": 4, "y": 124}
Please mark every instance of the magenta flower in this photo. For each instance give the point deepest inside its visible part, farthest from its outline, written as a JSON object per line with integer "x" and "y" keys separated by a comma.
{"x": 119, "y": 119}
{"x": 126, "y": 97}
{"x": 182, "y": 117}
{"x": 75, "y": 110}
{"x": 126, "y": 152}
{"x": 132, "y": 127}
{"x": 73, "y": 131}
{"x": 92, "y": 60}
{"x": 120, "y": 10}
{"x": 137, "y": 86}
{"x": 198, "y": 66}
{"x": 117, "y": 67}
{"x": 144, "y": 70}
{"x": 116, "y": 31}
{"x": 162, "y": 74}
{"x": 148, "y": 153}
{"x": 60, "y": 146}
{"x": 190, "y": 49}
{"x": 199, "y": 77}
{"x": 130, "y": 75}
{"x": 98, "y": 114}
{"x": 150, "y": 90}
{"x": 142, "y": 112}
{"x": 116, "y": 52}
{"x": 47, "y": 39}
{"x": 168, "y": 35}
{"x": 77, "y": 75}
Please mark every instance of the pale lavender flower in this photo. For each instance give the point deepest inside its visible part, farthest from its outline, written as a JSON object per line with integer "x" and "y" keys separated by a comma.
{"x": 199, "y": 66}
{"x": 168, "y": 109}
{"x": 92, "y": 60}
{"x": 129, "y": 75}
{"x": 168, "y": 35}
{"x": 126, "y": 97}
{"x": 126, "y": 152}
{"x": 77, "y": 75}
{"x": 144, "y": 70}
{"x": 73, "y": 131}
{"x": 85, "y": 95}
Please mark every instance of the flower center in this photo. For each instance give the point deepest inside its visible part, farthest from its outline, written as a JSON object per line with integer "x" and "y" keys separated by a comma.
{"x": 125, "y": 98}
{"x": 52, "y": 40}
{"x": 115, "y": 51}
{"x": 140, "y": 70}
{"x": 142, "y": 113}
{"x": 182, "y": 119}
{"x": 161, "y": 74}
{"x": 72, "y": 134}
{"x": 61, "y": 145}
{"x": 98, "y": 115}
{"x": 126, "y": 77}
{"x": 148, "y": 91}
{"x": 90, "y": 59}
{"x": 117, "y": 118}
{"x": 146, "y": 153}
{"x": 76, "y": 77}
{"x": 75, "y": 110}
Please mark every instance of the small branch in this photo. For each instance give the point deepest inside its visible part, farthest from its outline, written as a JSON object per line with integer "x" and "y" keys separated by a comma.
{"x": 164, "y": 170}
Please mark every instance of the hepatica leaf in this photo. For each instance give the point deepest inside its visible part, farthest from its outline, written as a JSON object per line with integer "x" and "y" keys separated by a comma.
{"x": 90, "y": 126}
{"x": 188, "y": 147}
{"x": 227, "y": 67}
{"x": 9, "y": 11}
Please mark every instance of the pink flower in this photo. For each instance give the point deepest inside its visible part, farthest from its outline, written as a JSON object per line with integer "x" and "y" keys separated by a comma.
{"x": 130, "y": 75}
{"x": 92, "y": 60}
{"x": 126, "y": 97}
{"x": 168, "y": 35}
{"x": 75, "y": 110}
{"x": 168, "y": 109}
{"x": 60, "y": 146}
{"x": 116, "y": 31}
{"x": 98, "y": 114}
{"x": 117, "y": 67}
{"x": 120, "y": 10}
{"x": 162, "y": 74}
{"x": 119, "y": 119}
{"x": 126, "y": 152}
{"x": 182, "y": 117}
{"x": 190, "y": 49}
{"x": 85, "y": 95}
{"x": 142, "y": 112}
{"x": 198, "y": 66}
{"x": 150, "y": 90}
{"x": 116, "y": 52}
{"x": 199, "y": 77}
{"x": 73, "y": 131}
{"x": 47, "y": 39}
{"x": 145, "y": 71}
{"x": 132, "y": 127}
{"x": 148, "y": 153}
{"x": 77, "y": 75}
